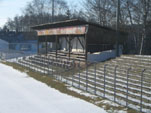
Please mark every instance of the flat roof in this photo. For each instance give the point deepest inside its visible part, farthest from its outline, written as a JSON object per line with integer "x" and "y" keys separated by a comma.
{"x": 73, "y": 22}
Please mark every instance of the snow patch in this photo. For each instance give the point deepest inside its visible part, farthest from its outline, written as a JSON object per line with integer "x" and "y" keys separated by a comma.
{"x": 22, "y": 94}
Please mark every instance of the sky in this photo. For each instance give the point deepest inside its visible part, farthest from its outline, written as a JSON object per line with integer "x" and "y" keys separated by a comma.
{"x": 11, "y": 8}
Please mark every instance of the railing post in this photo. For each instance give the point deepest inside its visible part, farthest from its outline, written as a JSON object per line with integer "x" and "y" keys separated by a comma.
{"x": 52, "y": 69}
{"x": 45, "y": 65}
{"x": 48, "y": 65}
{"x": 30, "y": 64}
{"x": 79, "y": 73}
{"x": 115, "y": 83}
{"x": 42, "y": 64}
{"x": 61, "y": 77}
{"x": 95, "y": 77}
{"x": 105, "y": 66}
{"x": 86, "y": 76}
{"x": 36, "y": 66}
{"x": 127, "y": 85}
{"x": 73, "y": 71}
{"x": 142, "y": 78}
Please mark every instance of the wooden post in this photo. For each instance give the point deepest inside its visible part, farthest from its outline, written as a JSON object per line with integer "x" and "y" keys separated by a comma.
{"x": 86, "y": 50}
{"x": 86, "y": 41}
{"x": 76, "y": 43}
{"x": 69, "y": 47}
{"x": 46, "y": 45}
{"x": 38, "y": 46}
{"x": 56, "y": 46}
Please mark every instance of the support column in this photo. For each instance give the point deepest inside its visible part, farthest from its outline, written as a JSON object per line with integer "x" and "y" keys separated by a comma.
{"x": 69, "y": 47}
{"x": 46, "y": 45}
{"x": 38, "y": 46}
{"x": 56, "y": 46}
{"x": 86, "y": 43}
{"x": 86, "y": 48}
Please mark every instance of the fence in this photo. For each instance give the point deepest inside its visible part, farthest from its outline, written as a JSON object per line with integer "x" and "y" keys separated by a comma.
{"x": 128, "y": 89}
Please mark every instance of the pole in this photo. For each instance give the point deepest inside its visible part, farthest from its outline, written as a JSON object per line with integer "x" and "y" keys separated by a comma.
{"x": 127, "y": 86}
{"x": 38, "y": 46}
{"x": 105, "y": 66}
{"x": 56, "y": 46}
{"x": 141, "y": 99}
{"x": 115, "y": 77}
{"x": 86, "y": 76}
{"x": 95, "y": 78}
{"x": 79, "y": 74}
{"x": 46, "y": 44}
{"x": 69, "y": 47}
{"x": 86, "y": 43}
{"x": 117, "y": 27}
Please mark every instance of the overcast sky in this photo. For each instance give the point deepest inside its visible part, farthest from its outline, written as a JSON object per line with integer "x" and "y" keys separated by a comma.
{"x": 11, "y": 8}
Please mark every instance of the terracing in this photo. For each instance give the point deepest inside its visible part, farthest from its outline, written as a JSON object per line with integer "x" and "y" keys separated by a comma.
{"x": 125, "y": 80}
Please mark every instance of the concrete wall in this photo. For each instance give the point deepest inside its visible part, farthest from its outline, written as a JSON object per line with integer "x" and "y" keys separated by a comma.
{"x": 102, "y": 56}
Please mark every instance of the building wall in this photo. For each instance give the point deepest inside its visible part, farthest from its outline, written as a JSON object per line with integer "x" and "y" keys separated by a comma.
{"x": 27, "y": 46}
{"x": 4, "y": 45}
{"x": 32, "y": 47}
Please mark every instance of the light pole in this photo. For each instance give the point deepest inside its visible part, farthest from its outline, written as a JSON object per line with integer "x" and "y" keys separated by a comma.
{"x": 117, "y": 27}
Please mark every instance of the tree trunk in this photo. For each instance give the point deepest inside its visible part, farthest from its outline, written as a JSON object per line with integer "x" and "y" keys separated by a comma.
{"x": 142, "y": 44}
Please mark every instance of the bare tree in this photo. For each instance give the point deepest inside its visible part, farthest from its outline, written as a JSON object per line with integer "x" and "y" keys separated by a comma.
{"x": 38, "y": 12}
{"x": 145, "y": 11}
{"x": 101, "y": 11}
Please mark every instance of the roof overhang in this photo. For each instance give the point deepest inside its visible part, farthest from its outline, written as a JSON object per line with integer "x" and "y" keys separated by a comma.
{"x": 73, "y": 22}
{"x": 68, "y": 27}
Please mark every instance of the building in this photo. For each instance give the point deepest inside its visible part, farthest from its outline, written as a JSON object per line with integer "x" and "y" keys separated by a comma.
{"x": 4, "y": 45}
{"x": 19, "y": 44}
{"x": 78, "y": 40}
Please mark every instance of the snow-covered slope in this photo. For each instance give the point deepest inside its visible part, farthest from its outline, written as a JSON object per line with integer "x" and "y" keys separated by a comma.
{"x": 22, "y": 94}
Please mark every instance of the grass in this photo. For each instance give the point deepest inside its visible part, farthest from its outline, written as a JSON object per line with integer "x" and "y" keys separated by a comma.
{"x": 51, "y": 82}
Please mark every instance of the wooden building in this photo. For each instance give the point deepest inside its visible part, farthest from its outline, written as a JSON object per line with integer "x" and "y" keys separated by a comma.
{"x": 76, "y": 37}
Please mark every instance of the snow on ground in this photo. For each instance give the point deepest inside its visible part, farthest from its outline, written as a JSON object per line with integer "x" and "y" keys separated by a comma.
{"x": 81, "y": 92}
{"x": 22, "y": 94}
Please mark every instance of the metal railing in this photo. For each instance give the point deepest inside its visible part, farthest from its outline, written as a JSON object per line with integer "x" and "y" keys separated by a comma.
{"x": 108, "y": 81}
